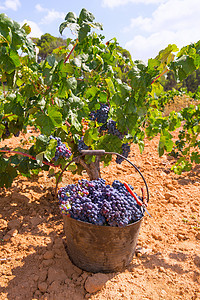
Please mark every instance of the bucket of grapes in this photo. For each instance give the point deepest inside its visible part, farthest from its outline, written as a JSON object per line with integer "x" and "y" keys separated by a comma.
{"x": 101, "y": 222}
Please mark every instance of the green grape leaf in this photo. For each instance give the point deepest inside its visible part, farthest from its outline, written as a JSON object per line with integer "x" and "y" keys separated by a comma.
{"x": 50, "y": 150}
{"x": 90, "y": 136}
{"x": 7, "y": 177}
{"x": 116, "y": 100}
{"x": 41, "y": 143}
{"x": 141, "y": 146}
{"x": 74, "y": 120}
{"x": 71, "y": 17}
{"x": 109, "y": 143}
{"x": 72, "y": 167}
{"x": 110, "y": 86}
{"x": 3, "y": 164}
{"x": 63, "y": 89}
{"x": 51, "y": 60}
{"x": 40, "y": 158}
{"x": 161, "y": 148}
{"x": 71, "y": 22}
{"x": 72, "y": 83}
{"x": 15, "y": 58}
{"x": 103, "y": 97}
{"x": 86, "y": 16}
{"x": 55, "y": 116}
{"x": 45, "y": 122}
{"x": 26, "y": 28}
{"x": 91, "y": 92}
{"x": 195, "y": 157}
{"x": 14, "y": 107}
{"x": 83, "y": 31}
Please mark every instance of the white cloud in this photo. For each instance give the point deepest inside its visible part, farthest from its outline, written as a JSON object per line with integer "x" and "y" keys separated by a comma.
{"x": 174, "y": 22}
{"x": 11, "y": 4}
{"x": 40, "y": 8}
{"x": 51, "y": 14}
{"x": 116, "y": 3}
{"x": 35, "y": 29}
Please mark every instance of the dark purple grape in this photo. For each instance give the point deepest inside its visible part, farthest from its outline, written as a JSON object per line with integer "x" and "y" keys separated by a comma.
{"x": 61, "y": 149}
{"x": 82, "y": 145}
{"x": 125, "y": 152}
{"x": 100, "y": 204}
{"x": 101, "y": 115}
{"x": 112, "y": 129}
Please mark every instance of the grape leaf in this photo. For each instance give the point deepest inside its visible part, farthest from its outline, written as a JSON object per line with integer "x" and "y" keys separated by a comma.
{"x": 50, "y": 150}
{"x": 109, "y": 143}
{"x": 45, "y": 122}
{"x": 55, "y": 116}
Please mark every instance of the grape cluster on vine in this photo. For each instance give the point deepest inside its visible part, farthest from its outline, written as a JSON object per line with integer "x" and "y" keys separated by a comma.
{"x": 125, "y": 152}
{"x": 112, "y": 129}
{"x": 100, "y": 204}
{"x": 108, "y": 126}
{"x": 82, "y": 145}
{"x": 61, "y": 149}
{"x": 101, "y": 114}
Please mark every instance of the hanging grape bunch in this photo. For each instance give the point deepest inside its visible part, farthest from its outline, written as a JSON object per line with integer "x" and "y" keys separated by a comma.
{"x": 108, "y": 126}
{"x": 100, "y": 204}
{"x": 61, "y": 149}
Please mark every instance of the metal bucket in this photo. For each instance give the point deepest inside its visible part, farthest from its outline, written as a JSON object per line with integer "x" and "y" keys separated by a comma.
{"x": 96, "y": 248}
{"x": 100, "y": 248}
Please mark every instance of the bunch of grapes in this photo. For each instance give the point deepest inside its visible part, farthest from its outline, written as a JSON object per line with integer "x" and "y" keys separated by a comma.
{"x": 112, "y": 129}
{"x": 82, "y": 145}
{"x": 100, "y": 204}
{"x": 61, "y": 149}
{"x": 125, "y": 152}
{"x": 27, "y": 74}
{"x": 101, "y": 115}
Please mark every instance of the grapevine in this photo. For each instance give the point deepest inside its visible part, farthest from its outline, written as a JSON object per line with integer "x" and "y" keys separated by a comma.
{"x": 93, "y": 81}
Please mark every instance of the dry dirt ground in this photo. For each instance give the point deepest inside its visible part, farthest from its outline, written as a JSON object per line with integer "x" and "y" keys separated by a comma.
{"x": 166, "y": 265}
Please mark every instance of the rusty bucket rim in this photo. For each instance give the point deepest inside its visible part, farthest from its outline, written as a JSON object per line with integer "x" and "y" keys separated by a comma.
{"x": 104, "y": 226}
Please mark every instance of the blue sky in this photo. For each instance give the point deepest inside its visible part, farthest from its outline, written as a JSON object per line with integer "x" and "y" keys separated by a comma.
{"x": 144, "y": 27}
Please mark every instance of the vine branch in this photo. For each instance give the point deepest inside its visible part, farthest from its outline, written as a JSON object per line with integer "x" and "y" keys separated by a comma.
{"x": 163, "y": 73}
{"x": 27, "y": 155}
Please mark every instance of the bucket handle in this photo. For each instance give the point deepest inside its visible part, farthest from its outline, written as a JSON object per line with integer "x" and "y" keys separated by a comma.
{"x": 99, "y": 153}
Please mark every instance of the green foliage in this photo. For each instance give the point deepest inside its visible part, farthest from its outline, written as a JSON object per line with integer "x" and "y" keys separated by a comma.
{"x": 46, "y": 44}
{"x": 58, "y": 95}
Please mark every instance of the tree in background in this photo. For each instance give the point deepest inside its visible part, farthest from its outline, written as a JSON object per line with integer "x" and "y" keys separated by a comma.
{"x": 46, "y": 44}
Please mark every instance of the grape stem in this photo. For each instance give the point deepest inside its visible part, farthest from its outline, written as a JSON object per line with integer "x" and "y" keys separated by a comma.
{"x": 27, "y": 155}
{"x": 68, "y": 56}
{"x": 160, "y": 76}
{"x": 4, "y": 117}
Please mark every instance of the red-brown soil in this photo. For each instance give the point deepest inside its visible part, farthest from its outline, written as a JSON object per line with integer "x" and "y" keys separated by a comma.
{"x": 166, "y": 265}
